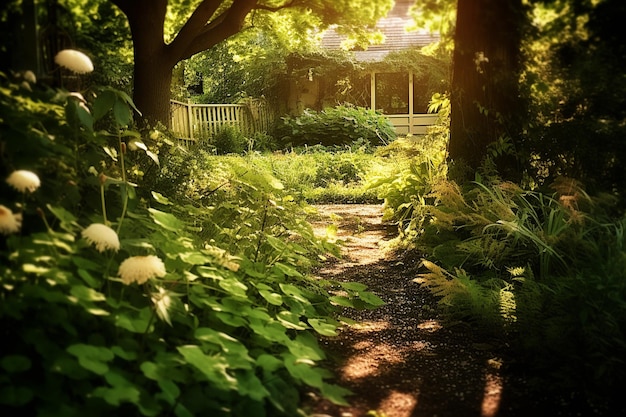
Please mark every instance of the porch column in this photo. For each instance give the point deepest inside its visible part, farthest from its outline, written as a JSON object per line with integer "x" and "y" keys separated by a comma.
{"x": 373, "y": 91}
{"x": 411, "y": 129}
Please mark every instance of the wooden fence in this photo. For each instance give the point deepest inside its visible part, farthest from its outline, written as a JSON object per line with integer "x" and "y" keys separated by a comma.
{"x": 193, "y": 122}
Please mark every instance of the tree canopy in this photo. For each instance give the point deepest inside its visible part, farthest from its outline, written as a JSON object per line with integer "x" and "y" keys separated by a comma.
{"x": 200, "y": 25}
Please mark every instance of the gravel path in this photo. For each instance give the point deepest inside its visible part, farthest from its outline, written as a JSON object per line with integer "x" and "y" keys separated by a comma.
{"x": 399, "y": 360}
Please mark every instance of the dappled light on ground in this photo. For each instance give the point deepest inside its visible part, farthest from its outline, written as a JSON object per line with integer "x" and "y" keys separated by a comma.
{"x": 371, "y": 361}
{"x": 400, "y": 360}
{"x": 401, "y": 403}
{"x": 493, "y": 389}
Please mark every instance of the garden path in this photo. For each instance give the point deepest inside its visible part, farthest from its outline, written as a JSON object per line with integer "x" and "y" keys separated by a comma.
{"x": 399, "y": 360}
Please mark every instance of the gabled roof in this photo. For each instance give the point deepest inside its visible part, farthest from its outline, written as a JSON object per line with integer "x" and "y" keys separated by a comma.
{"x": 396, "y": 37}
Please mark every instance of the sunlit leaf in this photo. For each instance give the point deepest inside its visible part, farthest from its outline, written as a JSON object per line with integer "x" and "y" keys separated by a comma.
{"x": 166, "y": 220}
{"x": 271, "y": 297}
{"x": 234, "y": 287}
{"x": 323, "y": 328}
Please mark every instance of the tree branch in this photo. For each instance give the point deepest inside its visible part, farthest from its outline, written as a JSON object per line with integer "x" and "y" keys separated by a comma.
{"x": 195, "y": 24}
{"x": 211, "y": 33}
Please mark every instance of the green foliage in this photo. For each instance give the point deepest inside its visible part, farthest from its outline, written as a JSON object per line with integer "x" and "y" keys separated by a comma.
{"x": 229, "y": 140}
{"x": 218, "y": 316}
{"x": 544, "y": 272}
{"x": 341, "y": 125}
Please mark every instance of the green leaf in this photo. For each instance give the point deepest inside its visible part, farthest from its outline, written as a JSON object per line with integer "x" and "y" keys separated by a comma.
{"x": 161, "y": 199}
{"x": 214, "y": 368}
{"x": 103, "y": 103}
{"x": 92, "y": 358}
{"x": 291, "y": 320}
{"x": 272, "y": 331}
{"x": 353, "y": 286}
{"x": 85, "y": 293}
{"x": 294, "y": 292}
{"x": 249, "y": 384}
{"x": 234, "y": 287}
{"x": 64, "y": 216}
{"x": 341, "y": 301}
{"x": 371, "y": 298}
{"x": 268, "y": 362}
{"x": 88, "y": 278}
{"x": 121, "y": 112}
{"x": 194, "y": 258}
{"x": 15, "y": 363}
{"x": 166, "y": 220}
{"x": 271, "y": 297}
{"x": 86, "y": 119}
{"x": 129, "y": 355}
{"x": 323, "y": 328}
{"x": 303, "y": 371}
{"x": 306, "y": 347}
{"x": 170, "y": 390}
{"x": 336, "y": 394}
{"x": 135, "y": 322}
{"x": 287, "y": 270}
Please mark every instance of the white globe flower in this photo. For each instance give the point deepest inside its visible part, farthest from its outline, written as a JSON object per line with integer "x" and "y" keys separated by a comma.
{"x": 74, "y": 60}
{"x": 24, "y": 181}
{"x": 102, "y": 237}
{"x": 140, "y": 269}
{"x": 9, "y": 222}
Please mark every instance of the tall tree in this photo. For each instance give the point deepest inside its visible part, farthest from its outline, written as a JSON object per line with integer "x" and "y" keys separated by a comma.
{"x": 210, "y": 22}
{"x": 486, "y": 62}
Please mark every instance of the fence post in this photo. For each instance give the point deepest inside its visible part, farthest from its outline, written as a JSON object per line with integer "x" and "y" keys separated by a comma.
{"x": 190, "y": 119}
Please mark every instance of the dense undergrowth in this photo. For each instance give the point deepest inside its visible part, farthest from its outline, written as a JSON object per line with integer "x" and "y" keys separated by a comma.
{"x": 227, "y": 320}
{"x": 541, "y": 271}
{"x": 136, "y": 281}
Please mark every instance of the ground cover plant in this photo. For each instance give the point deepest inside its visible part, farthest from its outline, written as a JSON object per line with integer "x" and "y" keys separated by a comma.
{"x": 120, "y": 297}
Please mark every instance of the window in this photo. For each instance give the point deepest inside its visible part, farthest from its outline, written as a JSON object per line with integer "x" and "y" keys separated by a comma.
{"x": 392, "y": 93}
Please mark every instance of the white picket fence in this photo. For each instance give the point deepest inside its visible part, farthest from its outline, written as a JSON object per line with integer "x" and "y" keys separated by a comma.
{"x": 193, "y": 122}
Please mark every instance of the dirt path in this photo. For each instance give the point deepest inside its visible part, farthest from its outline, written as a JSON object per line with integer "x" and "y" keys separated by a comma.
{"x": 399, "y": 360}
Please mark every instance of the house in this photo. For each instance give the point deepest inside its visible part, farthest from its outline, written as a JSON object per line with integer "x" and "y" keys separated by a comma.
{"x": 392, "y": 77}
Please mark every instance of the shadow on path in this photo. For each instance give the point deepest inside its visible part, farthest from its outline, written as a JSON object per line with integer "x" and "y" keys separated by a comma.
{"x": 398, "y": 360}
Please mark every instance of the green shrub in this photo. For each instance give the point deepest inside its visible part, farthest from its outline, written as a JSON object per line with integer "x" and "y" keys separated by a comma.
{"x": 229, "y": 140}
{"x": 129, "y": 302}
{"x": 341, "y": 125}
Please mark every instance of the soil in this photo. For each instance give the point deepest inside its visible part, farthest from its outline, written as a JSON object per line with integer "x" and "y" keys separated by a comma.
{"x": 401, "y": 360}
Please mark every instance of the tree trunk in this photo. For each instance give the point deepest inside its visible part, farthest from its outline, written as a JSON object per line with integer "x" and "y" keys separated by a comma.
{"x": 153, "y": 63}
{"x": 485, "y": 100}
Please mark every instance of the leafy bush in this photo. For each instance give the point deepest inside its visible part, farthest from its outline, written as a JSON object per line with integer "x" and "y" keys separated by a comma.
{"x": 546, "y": 272}
{"x": 319, "y": 174}
{"x": 341, "y": 125}
{"x": 116, "y": 304}
{"x": 229, "y": 140}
